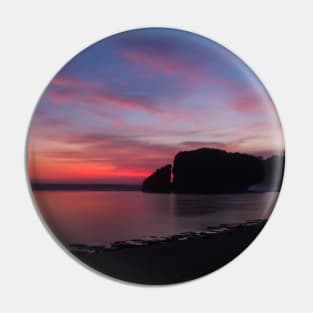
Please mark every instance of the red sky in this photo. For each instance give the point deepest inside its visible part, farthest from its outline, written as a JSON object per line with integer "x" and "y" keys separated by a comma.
{"x": 126, "y": 105}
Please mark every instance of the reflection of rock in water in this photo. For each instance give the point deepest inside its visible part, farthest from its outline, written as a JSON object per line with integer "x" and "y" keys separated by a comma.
{"x": 193, "y": 205}
{"x": 228, "y": 208}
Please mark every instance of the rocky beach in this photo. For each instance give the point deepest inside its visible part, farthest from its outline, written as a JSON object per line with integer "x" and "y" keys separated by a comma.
{"x": 172, "y": 259}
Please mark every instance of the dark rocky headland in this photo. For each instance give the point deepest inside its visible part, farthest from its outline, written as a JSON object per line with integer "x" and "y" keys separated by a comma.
{"x": 159, "y": 181}
{"x": 216, "y": 171}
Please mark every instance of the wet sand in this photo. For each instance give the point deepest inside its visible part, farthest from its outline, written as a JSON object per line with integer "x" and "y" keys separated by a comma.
{"x": 173, "y": 259}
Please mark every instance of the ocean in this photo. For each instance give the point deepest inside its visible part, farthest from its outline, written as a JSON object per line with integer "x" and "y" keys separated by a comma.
{"x": 105, "y": 217}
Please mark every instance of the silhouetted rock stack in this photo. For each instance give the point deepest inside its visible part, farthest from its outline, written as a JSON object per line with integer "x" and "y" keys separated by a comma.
{"x": 215, "y": 171}
{"x": 159, "y": 181}
{"x": 207, "y": 171}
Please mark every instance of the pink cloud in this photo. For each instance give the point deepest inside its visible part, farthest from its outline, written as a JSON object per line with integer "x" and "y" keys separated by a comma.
{"x": 63, "y": 89}
{"x": 156, "y": 61}
{"x": 114, "y": 157}
{"x": 251, "y": 102}
{"x": 189, "y": 73}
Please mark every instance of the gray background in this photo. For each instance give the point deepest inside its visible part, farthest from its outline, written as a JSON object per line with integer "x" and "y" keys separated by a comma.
{"x": 274, "y": 39}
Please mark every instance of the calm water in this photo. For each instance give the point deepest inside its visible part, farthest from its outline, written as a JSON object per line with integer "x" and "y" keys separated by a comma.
{"x": 99, "y": 217}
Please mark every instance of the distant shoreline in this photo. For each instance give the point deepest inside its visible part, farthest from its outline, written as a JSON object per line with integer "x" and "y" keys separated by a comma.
{"x": 84, "y": 187}
{"x": 120, "y": 187}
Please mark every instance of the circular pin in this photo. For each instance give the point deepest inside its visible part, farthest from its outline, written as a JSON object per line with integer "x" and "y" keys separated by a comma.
{"x": 155, "y": 156}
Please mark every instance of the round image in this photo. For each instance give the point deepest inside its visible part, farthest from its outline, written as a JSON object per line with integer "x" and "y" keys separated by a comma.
{"x": 155, "y": 156}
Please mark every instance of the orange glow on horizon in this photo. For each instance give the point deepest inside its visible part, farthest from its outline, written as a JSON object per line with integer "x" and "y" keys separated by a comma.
{"x": 41, "y": 169}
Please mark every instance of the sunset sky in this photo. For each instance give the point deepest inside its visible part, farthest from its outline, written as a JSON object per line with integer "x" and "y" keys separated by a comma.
{"x": 126, "y": 105}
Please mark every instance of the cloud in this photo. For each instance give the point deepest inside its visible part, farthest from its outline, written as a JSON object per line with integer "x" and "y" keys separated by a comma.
{"x": 116, "y": 158}
{"x": 97, "y": 156}
{"x": 159, "y": 62}
{"x": 251, "y": 102}
{"x": 131, "y": 103}
{"x": 64, "y": 90}
{"x": 184, "y": 69}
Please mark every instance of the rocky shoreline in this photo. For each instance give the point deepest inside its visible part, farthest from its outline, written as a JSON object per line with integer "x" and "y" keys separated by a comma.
{"x": 152, "y": 240}
{"x": 172, "y": 259}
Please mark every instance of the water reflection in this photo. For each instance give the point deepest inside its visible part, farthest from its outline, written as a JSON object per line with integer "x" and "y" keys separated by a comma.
{"x": 98, "y": 217}
{"x": 186, "y": 205}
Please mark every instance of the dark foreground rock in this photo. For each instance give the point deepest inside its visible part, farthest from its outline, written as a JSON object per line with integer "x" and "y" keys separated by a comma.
{"x": 175, "y": 259}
